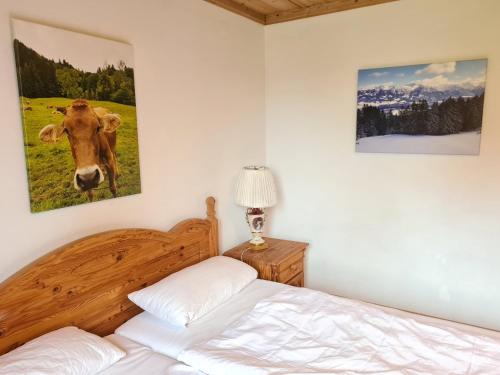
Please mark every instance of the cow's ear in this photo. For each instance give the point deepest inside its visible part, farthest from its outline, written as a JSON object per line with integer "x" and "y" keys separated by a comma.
{"x": 51, "y": 133}
{"x": 110, "y": 122}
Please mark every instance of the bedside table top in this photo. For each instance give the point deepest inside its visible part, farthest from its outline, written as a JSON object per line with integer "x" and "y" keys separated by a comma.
{"x": 278, "y": 251}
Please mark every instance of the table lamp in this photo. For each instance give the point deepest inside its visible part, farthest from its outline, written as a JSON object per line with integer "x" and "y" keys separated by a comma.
{"x": 255, "y": 190}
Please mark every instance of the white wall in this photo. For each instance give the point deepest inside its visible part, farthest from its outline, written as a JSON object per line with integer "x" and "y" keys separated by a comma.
{"x": 199, "y": 86}
{"x": 418, "y": 232}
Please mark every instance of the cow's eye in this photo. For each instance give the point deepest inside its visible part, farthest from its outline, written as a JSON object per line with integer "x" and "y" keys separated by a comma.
{"x": 97, "y": 130}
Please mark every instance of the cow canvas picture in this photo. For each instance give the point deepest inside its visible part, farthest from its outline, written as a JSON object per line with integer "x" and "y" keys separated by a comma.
{"x": 422, "y": 109}
{"x": 77, "y": 99}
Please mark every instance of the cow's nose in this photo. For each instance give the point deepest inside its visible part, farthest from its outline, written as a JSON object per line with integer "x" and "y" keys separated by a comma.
{"x": 88, "y": 180}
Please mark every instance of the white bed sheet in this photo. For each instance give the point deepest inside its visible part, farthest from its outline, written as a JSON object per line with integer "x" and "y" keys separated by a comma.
{"x": 141, "y": 360}
{"x": 169, "y": 340}
{"x": 305, "y": 331}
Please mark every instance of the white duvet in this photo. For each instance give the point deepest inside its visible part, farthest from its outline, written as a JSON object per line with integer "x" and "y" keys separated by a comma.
{"x": 304, "y": 331}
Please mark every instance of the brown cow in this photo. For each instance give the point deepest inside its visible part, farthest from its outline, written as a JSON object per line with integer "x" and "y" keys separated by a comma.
{"x": 92, "y": 135}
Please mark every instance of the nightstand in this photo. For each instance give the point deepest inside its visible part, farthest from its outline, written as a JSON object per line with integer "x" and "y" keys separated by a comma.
{"x": 282, "y": 262}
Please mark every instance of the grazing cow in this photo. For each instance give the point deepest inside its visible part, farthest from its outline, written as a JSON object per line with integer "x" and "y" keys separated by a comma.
{"x": 92, "y": 136}
{"x": 28, "y": 108}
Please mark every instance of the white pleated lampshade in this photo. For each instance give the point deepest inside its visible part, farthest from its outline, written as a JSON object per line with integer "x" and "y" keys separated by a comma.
{"x": 255, "y": 188}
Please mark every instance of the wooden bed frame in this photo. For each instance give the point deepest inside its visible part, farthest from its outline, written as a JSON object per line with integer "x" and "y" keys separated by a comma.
{"x": 86, "y": 282}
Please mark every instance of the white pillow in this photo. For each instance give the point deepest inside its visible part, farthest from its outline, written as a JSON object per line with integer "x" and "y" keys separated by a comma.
{"x": 194, "y": 291}
{"x": 67, "y": 350}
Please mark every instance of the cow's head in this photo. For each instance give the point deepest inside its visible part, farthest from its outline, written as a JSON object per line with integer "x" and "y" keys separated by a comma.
{"x": 83, "y": 125}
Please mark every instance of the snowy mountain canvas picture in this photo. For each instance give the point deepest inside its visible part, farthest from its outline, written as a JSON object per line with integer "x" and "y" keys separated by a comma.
{"x": 421, "y": 109}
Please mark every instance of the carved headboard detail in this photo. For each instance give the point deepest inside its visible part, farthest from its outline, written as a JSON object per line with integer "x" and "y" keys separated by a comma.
{"x": 86, "y": 282}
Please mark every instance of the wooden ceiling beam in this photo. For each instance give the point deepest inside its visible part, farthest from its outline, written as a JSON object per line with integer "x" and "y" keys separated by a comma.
{"x": 240, "y": 9}
{"x": 320, "y": 9}
{"x": 289, "y": 10}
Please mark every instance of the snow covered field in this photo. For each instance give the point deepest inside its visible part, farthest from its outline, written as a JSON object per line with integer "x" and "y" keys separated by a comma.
{"x": 458, "y": 144}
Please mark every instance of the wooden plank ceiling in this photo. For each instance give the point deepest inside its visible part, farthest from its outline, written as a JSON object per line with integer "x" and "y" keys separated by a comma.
{"x": 268, "y": 12}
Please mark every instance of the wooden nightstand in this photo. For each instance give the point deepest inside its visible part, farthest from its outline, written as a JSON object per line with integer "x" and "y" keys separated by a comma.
{"x": 282, "y": 262}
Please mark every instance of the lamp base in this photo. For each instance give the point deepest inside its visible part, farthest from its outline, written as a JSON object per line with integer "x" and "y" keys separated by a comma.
{"x": 262, "y": 246}
{"x": 255, "y": 219}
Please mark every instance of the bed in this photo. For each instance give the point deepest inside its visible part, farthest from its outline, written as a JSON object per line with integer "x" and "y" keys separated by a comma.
{"x": 265, "y": 328}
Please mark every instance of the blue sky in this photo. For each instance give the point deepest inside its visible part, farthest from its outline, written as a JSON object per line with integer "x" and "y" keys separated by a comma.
{"x": 430, "y": 74}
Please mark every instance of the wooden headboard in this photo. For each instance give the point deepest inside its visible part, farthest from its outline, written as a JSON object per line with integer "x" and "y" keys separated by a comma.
{"x": 86, "y": 282}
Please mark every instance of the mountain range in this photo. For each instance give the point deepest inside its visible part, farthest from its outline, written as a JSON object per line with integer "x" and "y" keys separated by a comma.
{"x": 390, "y": 97}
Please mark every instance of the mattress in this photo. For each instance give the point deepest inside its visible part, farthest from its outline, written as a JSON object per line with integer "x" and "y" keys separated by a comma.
{"x": 169, "y": 340}
{"x": 141, "y": 360}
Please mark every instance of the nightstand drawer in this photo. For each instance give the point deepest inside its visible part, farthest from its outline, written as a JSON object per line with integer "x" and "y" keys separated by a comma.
{"x": 289, "y": 270}
{"x": 297, "y": 280}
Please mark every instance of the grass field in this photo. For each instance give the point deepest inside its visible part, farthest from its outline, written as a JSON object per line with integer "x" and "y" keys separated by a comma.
{"x": 51, "y": 167}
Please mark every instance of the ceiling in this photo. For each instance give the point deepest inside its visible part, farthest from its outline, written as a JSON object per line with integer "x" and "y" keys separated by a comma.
{"x": 268, "y": 12}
